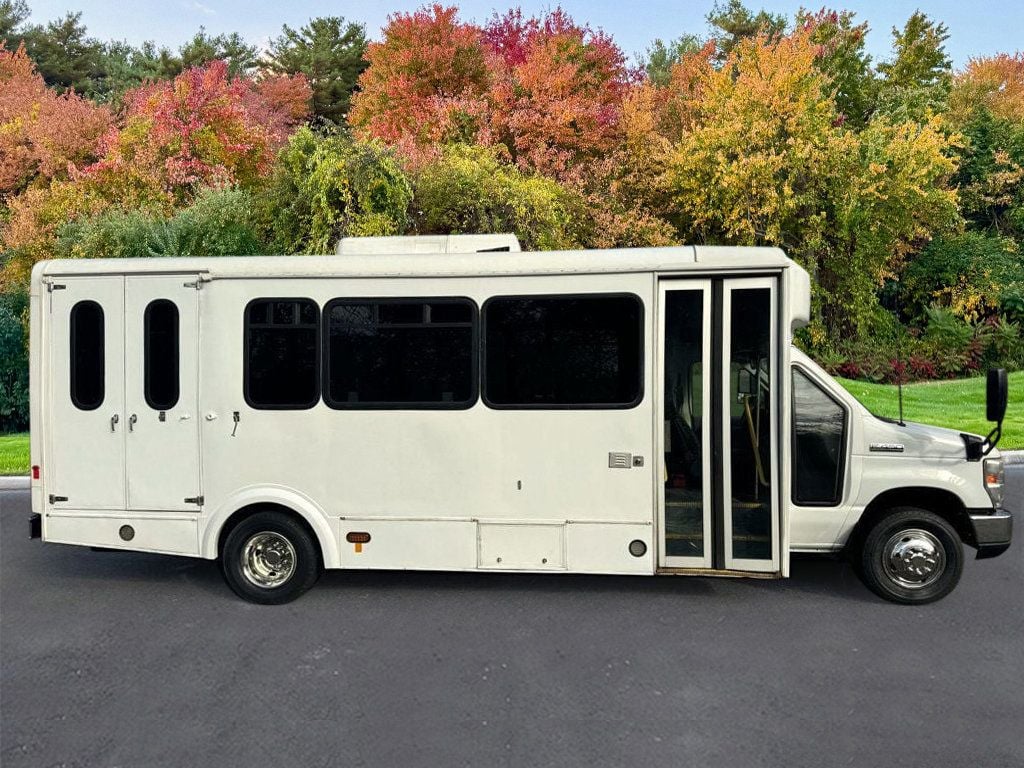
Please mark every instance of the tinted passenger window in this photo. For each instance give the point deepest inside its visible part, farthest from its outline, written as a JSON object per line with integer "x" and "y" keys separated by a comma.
{"x": 161, "y": 354}
{"x": 87, "y": 355}
{"x": 388, "y": 353}
{"x": 559, "y": 352}
{"x": 282, "y": 353}
{"x": 819, "y": 436}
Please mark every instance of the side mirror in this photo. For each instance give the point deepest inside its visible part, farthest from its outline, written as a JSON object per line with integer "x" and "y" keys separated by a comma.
{"x": 996, "y": 395}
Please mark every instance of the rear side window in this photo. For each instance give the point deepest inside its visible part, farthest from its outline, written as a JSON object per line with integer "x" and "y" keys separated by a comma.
{"x": 563, "y": 351}
{"x": 282, "y": 359}
{"x": 160, "y": 351}
{"x": 819, "y": 440}
{"x": 400, "y": 353}
{"x": 87, "y": 360}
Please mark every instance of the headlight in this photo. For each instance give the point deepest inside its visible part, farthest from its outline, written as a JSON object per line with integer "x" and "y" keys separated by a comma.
{"x": 993, "y": 470}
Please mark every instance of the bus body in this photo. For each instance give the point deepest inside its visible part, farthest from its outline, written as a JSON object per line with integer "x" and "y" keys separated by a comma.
{"x": 635, "y": 411}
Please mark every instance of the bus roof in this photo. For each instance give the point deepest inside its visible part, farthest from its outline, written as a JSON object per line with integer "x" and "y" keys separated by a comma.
{"x": 673, "y": 259}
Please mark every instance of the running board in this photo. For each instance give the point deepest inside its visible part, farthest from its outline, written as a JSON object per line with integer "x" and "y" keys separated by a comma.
{"x": 718, "y": 572}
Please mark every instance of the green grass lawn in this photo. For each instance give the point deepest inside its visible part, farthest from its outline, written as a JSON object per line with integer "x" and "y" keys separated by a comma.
{"x": 957, "y": 404}
{"x": 14, "y": 454}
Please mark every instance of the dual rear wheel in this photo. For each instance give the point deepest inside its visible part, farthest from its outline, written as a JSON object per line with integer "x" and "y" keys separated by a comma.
{"x": 270, "y": 558}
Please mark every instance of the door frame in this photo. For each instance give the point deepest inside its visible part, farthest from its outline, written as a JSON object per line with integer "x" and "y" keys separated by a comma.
{"x": 724, "y": 431}
{"x": 666, "y": 286}
{"x": 715, "y": 439}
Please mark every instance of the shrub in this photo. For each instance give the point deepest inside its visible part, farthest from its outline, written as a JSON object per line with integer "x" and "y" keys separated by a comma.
{"x": 974, "y": 275}
{"x": 13, "y": 364}
{"x": 325, "y": 187}
{"x": 469, "y": 190}
{"x": 218, "y": 223}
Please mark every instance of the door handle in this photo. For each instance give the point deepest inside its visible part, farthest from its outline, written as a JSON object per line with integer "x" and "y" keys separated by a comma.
{"x": 211, "y": 416}
{"x": 113, "y": 422}
{"x": 131, "y": 422}
{"x": 185, "y": 417}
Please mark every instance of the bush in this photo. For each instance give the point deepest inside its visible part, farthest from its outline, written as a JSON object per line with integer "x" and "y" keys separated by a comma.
{"x": 218, "y": 223}
{"x": 325, "y": 187}
{"x": 468, "y": 190}
{"x": 13, "y": 364}
{"x": 976, "y": 276}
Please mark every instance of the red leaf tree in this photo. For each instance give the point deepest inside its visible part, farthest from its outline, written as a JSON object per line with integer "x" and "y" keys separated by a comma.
{"x": 42, "y": 133}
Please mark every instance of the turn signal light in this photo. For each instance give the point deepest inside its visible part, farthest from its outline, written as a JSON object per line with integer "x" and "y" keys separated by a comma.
{"x": 357, "y": 537}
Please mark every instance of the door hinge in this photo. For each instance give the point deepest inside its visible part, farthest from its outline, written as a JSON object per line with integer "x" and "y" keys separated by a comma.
{"x": 197, "y": 284}
{"x": 194, "y": 500}
{"x": 54, "y": 498}
{"x": 51, "y": 287}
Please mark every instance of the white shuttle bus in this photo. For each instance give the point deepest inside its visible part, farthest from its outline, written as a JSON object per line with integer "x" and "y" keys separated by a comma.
{"x": 454, "y": 404}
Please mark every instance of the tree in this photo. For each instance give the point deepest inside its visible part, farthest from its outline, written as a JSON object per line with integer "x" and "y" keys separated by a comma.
{"x": 241, "y": 58}
{"x": 201, "y": 129}
{"x": 916, "y": 81}
{"x": 426, "y": 82}
{"x": 987, "y": 109}
{"x": 661, "y": 57}
{"x": 42, "y": 134}
{"x": 733, "y": 22}
{"x": 126, "y": 66}
{"x": 841, "y": 56}
{"x": 329, "y": 53}
{"x": 919, "y": 55}
{"x": 325, "y": 187}
{"x": 64, "y": 55}
{"x": 557, "y": 90}
{"x": 13, "y": 14}
{"x": 763, "y": 160}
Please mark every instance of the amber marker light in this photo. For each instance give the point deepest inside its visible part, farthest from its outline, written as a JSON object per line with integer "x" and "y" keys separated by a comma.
{"x": 358, "y": 538}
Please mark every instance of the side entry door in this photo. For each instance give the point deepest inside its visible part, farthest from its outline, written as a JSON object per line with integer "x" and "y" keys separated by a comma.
{"x": 719, "y": 496}
{"x": 161, "y": 359}
{"x": 85, "y": 454}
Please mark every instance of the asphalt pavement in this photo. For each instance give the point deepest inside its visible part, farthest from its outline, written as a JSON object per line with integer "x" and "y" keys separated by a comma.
{"x": 123, "y": 659}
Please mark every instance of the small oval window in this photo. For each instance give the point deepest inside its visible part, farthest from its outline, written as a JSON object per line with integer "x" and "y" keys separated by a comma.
{"x": 161, "y": 355}
{"x": 87, "y": 355}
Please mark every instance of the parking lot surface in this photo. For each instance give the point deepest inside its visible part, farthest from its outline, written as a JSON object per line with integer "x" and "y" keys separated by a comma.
{"x": 123, "y": 659}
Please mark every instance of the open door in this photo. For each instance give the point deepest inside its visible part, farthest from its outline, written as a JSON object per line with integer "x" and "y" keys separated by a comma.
{"x": 719, "y": 505}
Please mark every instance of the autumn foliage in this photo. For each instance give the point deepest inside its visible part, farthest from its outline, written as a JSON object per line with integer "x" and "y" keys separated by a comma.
{"x": 42, "y": 133}
{"x": 764, "y": 132}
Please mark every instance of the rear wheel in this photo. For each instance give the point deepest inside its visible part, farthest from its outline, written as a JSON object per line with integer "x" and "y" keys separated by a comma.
{"x": 911, "y": 556}
{"x": 270, "y": 558}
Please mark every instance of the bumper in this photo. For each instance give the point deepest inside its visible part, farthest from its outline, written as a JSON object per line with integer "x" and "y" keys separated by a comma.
{"x": 35, "y": 527}
{"x": 992, "y": 531}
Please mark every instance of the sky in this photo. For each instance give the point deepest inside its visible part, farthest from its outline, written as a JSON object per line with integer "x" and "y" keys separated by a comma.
{"x": 978, "y": 28}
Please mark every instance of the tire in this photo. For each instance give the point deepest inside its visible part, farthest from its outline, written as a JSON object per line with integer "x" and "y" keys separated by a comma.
{"x": 270, "y": 558}
{"x": 911, "y": 556}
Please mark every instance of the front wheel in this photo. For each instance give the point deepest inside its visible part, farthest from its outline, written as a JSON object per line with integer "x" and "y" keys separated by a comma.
{"x": 270, "y": 558}
{"x": 912, "y": 556}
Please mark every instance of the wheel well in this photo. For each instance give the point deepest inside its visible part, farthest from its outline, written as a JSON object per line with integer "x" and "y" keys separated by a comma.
{"x": 945, "y": 504}
{"x": 251, "y": 509}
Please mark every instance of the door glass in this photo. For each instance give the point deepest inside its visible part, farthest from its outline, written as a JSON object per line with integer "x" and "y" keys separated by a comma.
{"x": 87, "y": 359}
{"x": 750, "y": 423}
{"x": 684, "y": 422}
{"x": 819, "y": 433}
{"x": 160, "y": 354}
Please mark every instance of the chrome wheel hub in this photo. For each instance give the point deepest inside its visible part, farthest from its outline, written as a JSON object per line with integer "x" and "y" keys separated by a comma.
{"x": 913, "y": 558}
{"x": 268, "y": 559}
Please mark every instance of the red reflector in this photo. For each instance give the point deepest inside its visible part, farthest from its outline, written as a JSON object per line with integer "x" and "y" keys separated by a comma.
{"x": 35, "y": 471}
{"x": 357, "y": 537}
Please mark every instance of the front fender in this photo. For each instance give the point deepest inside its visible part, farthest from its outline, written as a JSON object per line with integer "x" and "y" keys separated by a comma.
{"x": 283, "y": 496}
